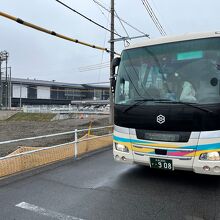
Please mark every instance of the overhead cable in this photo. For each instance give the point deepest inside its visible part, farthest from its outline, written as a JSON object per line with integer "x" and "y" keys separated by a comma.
{"x": 131, "y": 26}
{"x": 20, "y": 21}
{"x": 94, "y": 67}
{"x": 153, "y": 17}
{"x": 157, "y": 21}
{"x": 97, "y": 83}
{"x": 161, "y": 15}
{"x": 101, "y": 26}
{"x": 104, "y": 42}
{"x": 122, "y": 24}
{"x": 107, "y": 18}
{"x": 100, "y": 9}
{"x": 88, "y": 70}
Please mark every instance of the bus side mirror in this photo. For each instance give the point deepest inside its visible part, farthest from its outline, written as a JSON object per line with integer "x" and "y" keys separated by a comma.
{"x": 116, "y": 61}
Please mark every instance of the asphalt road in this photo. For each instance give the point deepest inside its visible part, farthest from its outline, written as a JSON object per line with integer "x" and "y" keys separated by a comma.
{"x": 96, "y": 188}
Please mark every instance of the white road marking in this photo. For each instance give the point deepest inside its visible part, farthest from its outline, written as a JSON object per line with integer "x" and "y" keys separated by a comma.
{"x": 46, "y": 212}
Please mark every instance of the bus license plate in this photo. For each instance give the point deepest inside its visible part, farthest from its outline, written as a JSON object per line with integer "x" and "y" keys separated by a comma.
{"x": 161, "y": 163}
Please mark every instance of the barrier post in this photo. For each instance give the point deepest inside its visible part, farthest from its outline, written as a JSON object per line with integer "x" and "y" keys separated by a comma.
{"x": 75, "y": 144}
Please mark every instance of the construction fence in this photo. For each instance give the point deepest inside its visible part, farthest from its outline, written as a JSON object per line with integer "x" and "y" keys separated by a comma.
{"x": 27, "y": 157}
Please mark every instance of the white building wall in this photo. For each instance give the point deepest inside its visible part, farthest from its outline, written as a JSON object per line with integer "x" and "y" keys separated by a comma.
{"x": 19, "y": 91}
{"x": 43, "y": 92}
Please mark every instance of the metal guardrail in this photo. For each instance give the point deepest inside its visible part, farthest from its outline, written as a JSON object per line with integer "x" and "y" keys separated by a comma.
{"x": 27, "y": 157}
{"x": 75, "y": 142}
{"x": 53, "y": 135}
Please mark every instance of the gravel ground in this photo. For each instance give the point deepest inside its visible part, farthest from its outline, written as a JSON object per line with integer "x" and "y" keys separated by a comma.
{"x": 10, "y": 130}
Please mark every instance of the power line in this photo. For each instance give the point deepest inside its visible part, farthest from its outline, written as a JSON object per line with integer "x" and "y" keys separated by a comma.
{"x": 106, "y": 9}
{"x": 94, "y": 67}
{"x": 92, "y": 21}
{"x": 161, "y": 15}
{"x": 107, "y": 18}
{"x": 97, "y": 65}
{"x": 20, "y": 21}
{"x": 122, "y": 25}
{"x": 153, "y": 17}
{"x": 162, "y": 31}
{"x": 97, "y": 83}
{"x": 98, "y": 6}
{"x": 104, "y": 42}
{"x": 125, "y": 41}
{"x": 91, "y": 68}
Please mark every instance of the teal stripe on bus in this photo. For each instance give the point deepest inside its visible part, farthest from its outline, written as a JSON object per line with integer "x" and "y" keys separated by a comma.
{"x": 211, "y": 146}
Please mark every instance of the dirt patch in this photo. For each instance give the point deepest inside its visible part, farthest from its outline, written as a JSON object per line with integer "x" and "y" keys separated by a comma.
{"x": 10, "y": 130}
{"x": 21, "y": 116}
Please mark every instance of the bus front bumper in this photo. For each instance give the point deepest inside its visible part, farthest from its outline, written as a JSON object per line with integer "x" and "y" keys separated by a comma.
{"x": 192, "y": 164}
{"x": 206, "y": 167}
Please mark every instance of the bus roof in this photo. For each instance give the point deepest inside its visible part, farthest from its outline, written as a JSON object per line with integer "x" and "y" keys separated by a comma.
{"x": 170, "y": 39}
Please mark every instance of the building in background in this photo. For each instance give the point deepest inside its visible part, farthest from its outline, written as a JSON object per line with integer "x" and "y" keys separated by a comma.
{"x": 40, "y": 92}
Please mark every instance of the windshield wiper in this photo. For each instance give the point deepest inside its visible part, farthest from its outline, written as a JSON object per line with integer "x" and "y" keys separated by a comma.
{"x": 185, "y": 103}
{"x": 140, "y": 101}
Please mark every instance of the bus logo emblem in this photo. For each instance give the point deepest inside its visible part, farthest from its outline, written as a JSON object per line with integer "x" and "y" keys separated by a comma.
{"x": 160, "y": 119}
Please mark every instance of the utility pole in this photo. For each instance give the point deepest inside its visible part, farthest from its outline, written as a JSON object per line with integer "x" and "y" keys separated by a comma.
{"x": 112, "y": 48}
{"x": 20, "y": 104}
{"x": 3, "y": 57}
{"x": 6, "y": 82}
{"x": 9, "y": 89}
{"x": 0, "y": 82}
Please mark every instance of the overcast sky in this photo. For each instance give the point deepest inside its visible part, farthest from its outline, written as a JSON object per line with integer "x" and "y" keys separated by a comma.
{"x": 37, "y": 55}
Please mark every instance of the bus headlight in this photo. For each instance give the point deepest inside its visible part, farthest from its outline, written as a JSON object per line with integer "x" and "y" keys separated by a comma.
{"x": 121, "y": 147}
{"x": 215, "y": 155}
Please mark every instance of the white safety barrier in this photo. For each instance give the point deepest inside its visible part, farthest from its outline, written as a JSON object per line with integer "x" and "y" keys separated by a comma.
{"x": 54, "y": 135}
{"x": 29, "y": 157}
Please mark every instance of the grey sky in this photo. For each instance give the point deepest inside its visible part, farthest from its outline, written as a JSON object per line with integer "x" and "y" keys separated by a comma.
{"x": 37, "y": 55}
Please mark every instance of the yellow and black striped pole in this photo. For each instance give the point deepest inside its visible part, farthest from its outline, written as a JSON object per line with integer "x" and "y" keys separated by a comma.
{"x": 20, "y": 21}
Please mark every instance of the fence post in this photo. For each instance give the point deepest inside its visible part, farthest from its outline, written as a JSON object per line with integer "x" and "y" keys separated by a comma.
{"x": 75, "y": 144}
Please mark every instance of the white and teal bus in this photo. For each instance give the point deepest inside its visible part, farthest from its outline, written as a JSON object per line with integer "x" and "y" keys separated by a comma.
{"x": 167, "y": 104}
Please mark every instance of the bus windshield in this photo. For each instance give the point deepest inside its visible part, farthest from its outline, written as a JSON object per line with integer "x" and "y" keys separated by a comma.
{"x": 186, "y": 71}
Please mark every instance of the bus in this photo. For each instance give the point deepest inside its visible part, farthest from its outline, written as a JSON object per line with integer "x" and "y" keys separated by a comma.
{"x": 167, "y": 103}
